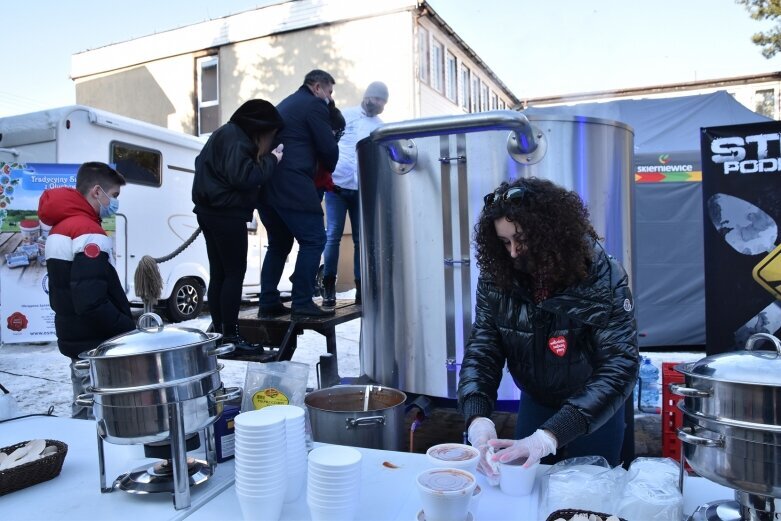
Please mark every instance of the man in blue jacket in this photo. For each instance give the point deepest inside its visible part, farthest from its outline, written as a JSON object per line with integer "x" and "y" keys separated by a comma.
{"x": 290, "y": 206}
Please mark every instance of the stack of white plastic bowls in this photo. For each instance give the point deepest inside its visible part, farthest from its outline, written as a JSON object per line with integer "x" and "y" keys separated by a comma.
{"x": 261, "y": 463}
{"x": 333, "y": 484}
{"x": 295, "y": 449}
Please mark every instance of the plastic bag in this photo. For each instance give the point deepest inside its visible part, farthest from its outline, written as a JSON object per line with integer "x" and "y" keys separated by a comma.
{"x": 277, "y": 383}
{"x": 586, "y": 483}
{"x": 8, "y": 406}
{"x": 651, "y": 491}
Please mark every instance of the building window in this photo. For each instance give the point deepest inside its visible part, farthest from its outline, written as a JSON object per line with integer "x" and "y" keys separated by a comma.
{"x": 494, "y": 101}
{"x": 423, "y": 54}
{"x": 452, "y": 78}
{"x": 765, "y": 102}
{"x": 208, "y": 95}
{"x": 139, "y": 165}
{"x": 438, "y": 66}
{"x": 502, "y": 105}
{"x": 474, "y": 105}
{"x": 465, "y": 99}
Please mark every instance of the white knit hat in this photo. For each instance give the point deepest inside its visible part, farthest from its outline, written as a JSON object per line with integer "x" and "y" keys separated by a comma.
{"x": 376, "y": 89}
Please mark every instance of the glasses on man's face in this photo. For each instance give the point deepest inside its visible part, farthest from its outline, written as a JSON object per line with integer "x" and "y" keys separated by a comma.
{"x": 513, "y": 193}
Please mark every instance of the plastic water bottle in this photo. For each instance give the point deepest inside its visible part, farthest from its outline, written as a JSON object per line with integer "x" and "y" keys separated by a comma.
{"x": 637, "y": 386}
{"x": 649, "y": 386}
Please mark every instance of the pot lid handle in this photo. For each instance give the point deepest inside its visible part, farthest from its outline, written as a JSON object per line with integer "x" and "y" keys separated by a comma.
{"x": 145, "y": 320}
{"x": 757, "y": 337}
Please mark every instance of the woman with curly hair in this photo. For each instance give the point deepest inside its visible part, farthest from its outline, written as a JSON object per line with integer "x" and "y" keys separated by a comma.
{"x": 557, "y": 310}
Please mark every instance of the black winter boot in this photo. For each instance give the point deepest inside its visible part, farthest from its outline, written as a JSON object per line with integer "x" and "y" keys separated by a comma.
{"x": 358, "y": 291}
{"x": 329, "y": 291}
{"x": 230, "y": 335}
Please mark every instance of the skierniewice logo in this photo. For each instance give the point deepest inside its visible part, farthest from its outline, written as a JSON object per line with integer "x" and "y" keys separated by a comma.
{"x": 736, "y": 154}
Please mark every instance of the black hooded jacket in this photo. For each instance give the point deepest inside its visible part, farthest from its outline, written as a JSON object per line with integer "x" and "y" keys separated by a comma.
{"x": 576, "y": 351}
{"x": 227, "y": 176}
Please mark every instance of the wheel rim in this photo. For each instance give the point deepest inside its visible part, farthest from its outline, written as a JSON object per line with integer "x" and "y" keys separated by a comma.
{"x": 187, "y": 299}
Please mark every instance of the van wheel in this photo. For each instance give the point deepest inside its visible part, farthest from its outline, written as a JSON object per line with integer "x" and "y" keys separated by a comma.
{"x": 186, "y": 300}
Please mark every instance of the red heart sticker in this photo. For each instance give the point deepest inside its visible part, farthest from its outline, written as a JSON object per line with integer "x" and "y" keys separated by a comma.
{"x": 558, "y": 345}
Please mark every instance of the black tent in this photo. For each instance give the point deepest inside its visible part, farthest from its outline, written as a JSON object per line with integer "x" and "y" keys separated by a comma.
{"x": 669, "y": 278}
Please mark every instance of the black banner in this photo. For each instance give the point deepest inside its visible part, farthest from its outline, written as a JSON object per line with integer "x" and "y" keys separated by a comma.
{"x": 741, "y": 189}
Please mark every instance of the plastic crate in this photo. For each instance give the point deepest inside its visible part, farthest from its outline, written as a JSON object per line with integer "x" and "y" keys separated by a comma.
{"x": 672, "y": 416}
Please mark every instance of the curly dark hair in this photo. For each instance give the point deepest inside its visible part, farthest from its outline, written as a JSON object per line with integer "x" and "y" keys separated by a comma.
{"x": 556, "y": 231}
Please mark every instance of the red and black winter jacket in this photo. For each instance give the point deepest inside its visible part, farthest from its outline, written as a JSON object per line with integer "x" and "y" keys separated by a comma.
{"x": 85, "y": 293}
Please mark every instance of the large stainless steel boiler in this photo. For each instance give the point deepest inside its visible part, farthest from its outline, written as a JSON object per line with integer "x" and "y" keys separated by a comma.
{"x": 422, "y": 184}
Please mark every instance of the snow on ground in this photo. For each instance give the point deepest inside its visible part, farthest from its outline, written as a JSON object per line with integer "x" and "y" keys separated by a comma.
{"x": 37, "y": 375}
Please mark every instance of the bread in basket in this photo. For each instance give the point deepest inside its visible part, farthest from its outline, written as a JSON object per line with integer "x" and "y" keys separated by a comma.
{"x": 32, "y": 472}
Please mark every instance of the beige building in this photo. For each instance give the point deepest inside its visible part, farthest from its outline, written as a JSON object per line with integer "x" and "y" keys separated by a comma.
{"x": 759, "y": 92}
{"x": 191, "y": 79}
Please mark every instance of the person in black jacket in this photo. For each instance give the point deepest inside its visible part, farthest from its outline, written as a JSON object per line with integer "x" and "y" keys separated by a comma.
{"x": 85, "y": 293}
{"x": 290, "y": 206}
{"x": 557, "y": 310}
{"x": 235, "y": 163}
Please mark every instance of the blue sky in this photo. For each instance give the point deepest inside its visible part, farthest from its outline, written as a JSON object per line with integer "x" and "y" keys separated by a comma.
{"x": 537, "y": 48}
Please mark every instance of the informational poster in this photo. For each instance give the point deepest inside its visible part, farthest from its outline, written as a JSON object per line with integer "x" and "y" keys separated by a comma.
{"x": 741, "y": 188}
{"x": 25, "y": 314}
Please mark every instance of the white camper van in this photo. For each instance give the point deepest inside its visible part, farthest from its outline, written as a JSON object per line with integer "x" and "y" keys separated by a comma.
{"x": 155, "y": 215}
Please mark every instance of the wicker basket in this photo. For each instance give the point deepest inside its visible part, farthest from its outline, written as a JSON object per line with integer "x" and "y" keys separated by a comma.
{"x": 27, "y": 474}
{"x": 568, "y": 513}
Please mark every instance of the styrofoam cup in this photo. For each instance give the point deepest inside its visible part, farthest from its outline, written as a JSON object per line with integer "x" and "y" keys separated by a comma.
{"x": 446, "y": 493}
{"x": 454, "y": 456}
{"x": 330, "y": 457}
{"x": 474, "y": 503}
{"x": 515, "y": 479}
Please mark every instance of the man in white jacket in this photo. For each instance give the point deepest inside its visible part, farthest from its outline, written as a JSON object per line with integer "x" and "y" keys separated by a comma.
{"x": 343, "y": 200}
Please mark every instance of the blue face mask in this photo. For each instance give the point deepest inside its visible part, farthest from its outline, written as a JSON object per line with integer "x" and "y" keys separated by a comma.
{"x": 111, "y": 209}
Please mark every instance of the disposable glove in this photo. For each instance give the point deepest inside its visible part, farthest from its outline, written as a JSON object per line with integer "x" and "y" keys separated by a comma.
{"x": 533, "y": 448}
{"x": 480, "y": 432}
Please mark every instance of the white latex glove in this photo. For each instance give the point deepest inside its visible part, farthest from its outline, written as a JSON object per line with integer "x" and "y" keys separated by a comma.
{"x": 481, "y": 431}
{"x": 278, "y": 152}
{"x": 533, "y": 448}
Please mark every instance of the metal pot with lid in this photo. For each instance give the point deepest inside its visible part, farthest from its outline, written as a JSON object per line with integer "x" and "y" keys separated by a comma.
{"x": 731, "y": 429}
{"x": 741, "y": 388}
{"x": 136, "y": 376}
{"x": 152, "y": 357}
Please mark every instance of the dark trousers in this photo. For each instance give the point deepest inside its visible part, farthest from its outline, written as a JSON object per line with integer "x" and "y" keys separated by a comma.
{"x": 337, "y": 206}
{"x": 284, "y": 225}
{"x": 605, "y": 441}
{"x": 226, "y": 246}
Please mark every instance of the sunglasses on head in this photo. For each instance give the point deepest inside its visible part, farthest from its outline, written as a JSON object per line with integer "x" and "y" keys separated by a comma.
{"x": 515, "y": 192}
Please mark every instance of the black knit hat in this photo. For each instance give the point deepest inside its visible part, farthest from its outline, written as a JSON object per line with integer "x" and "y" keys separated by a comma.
{"x": 257, "y": 116}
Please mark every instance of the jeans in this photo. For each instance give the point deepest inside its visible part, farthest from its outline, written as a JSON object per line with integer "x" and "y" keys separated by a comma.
{"x": 337, "y": 206}
{"x": 283, "y": 225}
{"x": 226, "y": 247}
{"x": 80, "y": 381}
{"x": 605, "y": 441}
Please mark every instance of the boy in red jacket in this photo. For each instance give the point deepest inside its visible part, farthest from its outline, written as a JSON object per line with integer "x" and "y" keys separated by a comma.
{"x": 85, "y": 293}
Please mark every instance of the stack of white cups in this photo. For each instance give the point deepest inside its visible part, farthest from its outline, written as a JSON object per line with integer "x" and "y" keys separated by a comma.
{"x": 260, "y": 463}
{"x": 295, "y": 449}
{"x": 333, "y": 485}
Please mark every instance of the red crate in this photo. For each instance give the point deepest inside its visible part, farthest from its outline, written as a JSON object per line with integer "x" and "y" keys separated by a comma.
{"x": 672, "y": 416}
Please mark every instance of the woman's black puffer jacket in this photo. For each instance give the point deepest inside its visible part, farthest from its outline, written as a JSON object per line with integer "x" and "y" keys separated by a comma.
{"x": 590, "y": 381}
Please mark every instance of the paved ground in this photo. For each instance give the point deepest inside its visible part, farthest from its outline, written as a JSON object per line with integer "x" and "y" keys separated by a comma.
{"x": 37, "y": 376}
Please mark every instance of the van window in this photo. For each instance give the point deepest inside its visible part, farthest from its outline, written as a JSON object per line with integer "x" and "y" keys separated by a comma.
{"x": 139, "y": 165}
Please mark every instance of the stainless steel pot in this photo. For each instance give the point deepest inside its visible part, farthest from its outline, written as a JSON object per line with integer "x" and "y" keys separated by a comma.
{"x": 732, "y": 461}
{"x": 152, "y": 357}
{"x": 136, "y": 423}
{"x": 740, "y": 388}
{"x": 167, "y": 392}
{"x": 358, "y": 415}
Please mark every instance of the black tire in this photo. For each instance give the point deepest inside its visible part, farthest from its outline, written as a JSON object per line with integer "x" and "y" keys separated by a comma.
{"x": 319, "y": 289}
{"x": 186, "y": 300}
